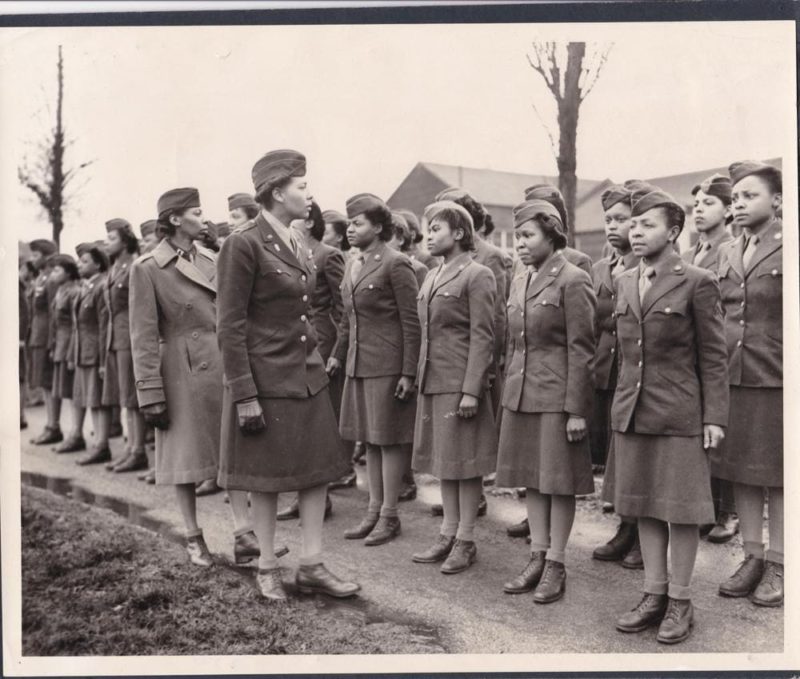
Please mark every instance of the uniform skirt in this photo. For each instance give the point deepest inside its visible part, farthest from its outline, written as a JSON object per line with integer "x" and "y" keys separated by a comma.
{"x": 87, "y": 390}
{"x": 534, "y": 452}
{"x": 371, "y": 413}
{"x": 752, "y": 452}
{"x": 119, "y": 385}
{"x": 63, "y": 380}
{"x": 662, "y": 477}
{"x": 40, "y": 368}
{"x": 300, "y": 447}
{"x": 450, "y": 447}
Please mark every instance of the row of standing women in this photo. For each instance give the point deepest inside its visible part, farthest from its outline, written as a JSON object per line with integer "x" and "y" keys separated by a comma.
{"x": 509, "y": 368}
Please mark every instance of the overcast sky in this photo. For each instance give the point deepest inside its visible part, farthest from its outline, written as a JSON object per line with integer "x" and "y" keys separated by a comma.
{"x": 157, "y": 108}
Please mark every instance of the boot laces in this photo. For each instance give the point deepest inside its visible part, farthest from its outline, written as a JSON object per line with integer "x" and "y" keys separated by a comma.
{"x": 772, "y": 575}
{"x": 673, "y": 611}
{"x": 644, "y": 602}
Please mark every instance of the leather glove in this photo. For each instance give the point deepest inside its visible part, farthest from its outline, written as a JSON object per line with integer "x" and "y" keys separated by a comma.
{"x": 251, "y": 417}
{"x": 156, "y": 415}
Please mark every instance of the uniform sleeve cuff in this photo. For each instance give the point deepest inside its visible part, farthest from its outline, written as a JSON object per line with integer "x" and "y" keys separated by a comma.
{"x": 242, "y": 388}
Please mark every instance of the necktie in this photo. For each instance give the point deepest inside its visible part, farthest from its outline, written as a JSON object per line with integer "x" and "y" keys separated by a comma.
{"x": 702, "y": 249}
{"x": 749, "y": 250}
{"x": 619, "y": 269}
{"x": 646, "y": 282}
{"x": 358, "y": 263}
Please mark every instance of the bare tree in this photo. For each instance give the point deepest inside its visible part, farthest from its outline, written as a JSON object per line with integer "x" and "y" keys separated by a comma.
{"x": 46, "y": 175}
{"x": 570, "y": 74}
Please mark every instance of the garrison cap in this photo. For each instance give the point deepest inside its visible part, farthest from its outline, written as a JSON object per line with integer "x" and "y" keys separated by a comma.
{"x": 277, "y": 166}
{"x": 615, "y": 194}
{"x": 65, "y": 261}
{"x": 400, "y": 224}
{"x": 745, "y": 168}
{"x": 411, "y": 219}
{"x": 439, "y": 206}
{"x": 238, "y": 200}
{"x": 333, "y": 217}
{"x": 716, "y": 185}
{"x": 362, "y": 202}
{"x": 177, "y": 200}
{"x": 148, "y": 227}
{"x": 118, "y": 224}
{"x": 46, "y": 247}
{"x": 530, "y": 209}
{"x": 638, "y": 185}
{"x": 453, "y": 193}
{"x": 648, "y": 198}
{"x": 82, "y": 248}
{"x": 552, "y": 195}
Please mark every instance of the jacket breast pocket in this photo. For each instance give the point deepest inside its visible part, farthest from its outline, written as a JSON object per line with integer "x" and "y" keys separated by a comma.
{"x": 724, "y": 269}
{"x": 545, "y": 302}
{"x": 771, "y": 270}
{"x": 674, "y": 308}
{"x": 453, "y": 294}
{"x": 270, "y": 268}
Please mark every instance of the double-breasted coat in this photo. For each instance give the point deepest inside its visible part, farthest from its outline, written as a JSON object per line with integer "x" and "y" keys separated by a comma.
{"x": 269, "y": 353}
{"x": 118, "y": 387}
{"x": 176, "y": 360}
{"x": 41, "y": 294}
{"x": 378, "y": 342}
{"x": 548, "y": 377}
{"x": 752, "y": 299}
{"x": 672, "y": 381}
{"x": 456, "y": 310}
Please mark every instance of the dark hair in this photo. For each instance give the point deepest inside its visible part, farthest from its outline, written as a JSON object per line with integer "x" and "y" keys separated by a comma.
{"x": 250, "y": 211}
{"x": 488, "y": 224}
{"x": 167, "y": 227}
{"x": 675, "y": 216}
{"x": 381, "y": 216}
{"x": 128, "y": 238}
{"x": 68, "y": 264}
{"x": 340, "y": 227}
{"x": 264, "y": 197}
{"x": 475, "y": 209}
{"x": 772, "y": 177}
{"x": 455, "y": 220}
{"x": 552, "y": 229}
{"x": 317, "y": 229}
{"x": 99, "y": 258}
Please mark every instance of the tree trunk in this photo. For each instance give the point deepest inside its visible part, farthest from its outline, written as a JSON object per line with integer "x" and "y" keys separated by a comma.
{"x": 568, "y": 108}
{"x": 57, "y": 187}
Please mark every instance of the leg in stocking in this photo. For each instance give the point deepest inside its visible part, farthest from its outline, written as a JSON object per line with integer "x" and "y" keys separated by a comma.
{"x": 654, "y": 540}
{"x": 312, "y": 514}
{"x": 187, "y": 504}
{"x": 683, "y": 542}
{"x": 394, "y": 464}
{"x": 562, "y": 516}
{"x": 469, "y": 495}
{"x": 265, "y": 509}
{"x": 374, "y": 478}
{"x": 450, "y": 507}
{"x": 750, "y": 507}
{"x": 775, "y": 552}
{"x": 240, "y": 511}
{"x": 538, "y": 506}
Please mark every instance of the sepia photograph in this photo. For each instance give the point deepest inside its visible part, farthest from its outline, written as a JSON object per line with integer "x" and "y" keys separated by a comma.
{"x": 398, "y": 339}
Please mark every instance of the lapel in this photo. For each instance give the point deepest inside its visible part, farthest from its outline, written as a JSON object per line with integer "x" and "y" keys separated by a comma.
{"x": 455, "y": 268}
{"x": 629, "y": 287}
{"x": 605, "y": 278}
{"x": 733, "y": 252}
{"x": 372, "y": 260}
{"x": 164, "y": 253}
{"x": 119, "y": 272}
{"x": 274, "y": 244}
{"x": 206, "y": 264}
{"x": 547, "y": 274}
{"x": 668, "y": 277}
{"x": 769, "y": 241}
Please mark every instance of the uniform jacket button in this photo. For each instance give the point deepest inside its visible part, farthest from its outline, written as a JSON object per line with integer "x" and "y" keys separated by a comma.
{"x": 739, "y": 343}
{"x": 303, "y": 277}
{"x": 203, "y": 365}
{"x": 188, "y": 305}
{"x": 303, "y": 318}
{"x": 638, "y": 385}
{"x": 741, "y": 322}
{"x": 370, "y": 286}
{"x": 305, "y": 298}
{"x": 195, "y": 335}
{"x": 613, "y": 350}
{"x": 302, "y": 338}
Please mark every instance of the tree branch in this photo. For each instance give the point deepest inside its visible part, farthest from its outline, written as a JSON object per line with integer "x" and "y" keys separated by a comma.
{"x": 544, "y": 63}
{"x": 553, "y": 145}
{"x": 591, "y": 74}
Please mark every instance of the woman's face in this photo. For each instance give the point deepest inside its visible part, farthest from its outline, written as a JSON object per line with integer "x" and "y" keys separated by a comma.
{"x": 295, "y": 197}
{"x": 361, "y": 232}
{"x": 149, "y": 240}
{"x": 441, "y": 238}
{"x": 58, "y": 275}
{"x": 618, "y": 225}
{"x": 650, "y": 233}
{"x": 114, "y": 243}
{"x": 533, "y": 247}
{"x": 87, "y": 267}
{"x": 753, "y": 203}
{"x": 331, "y": 236}
{"x": 190, "y": 222}
{"x": 237, "y": 216}
{"x": 36, "y": 258}
{"x": 709, "y": 211}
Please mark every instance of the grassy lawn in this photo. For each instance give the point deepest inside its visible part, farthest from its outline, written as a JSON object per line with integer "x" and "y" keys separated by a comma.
{"x": 93, "y": 584}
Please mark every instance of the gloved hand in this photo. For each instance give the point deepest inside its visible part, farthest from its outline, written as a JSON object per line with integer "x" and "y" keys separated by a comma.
{"x": 156, "y": 415}
{"x": 251, "y": 417}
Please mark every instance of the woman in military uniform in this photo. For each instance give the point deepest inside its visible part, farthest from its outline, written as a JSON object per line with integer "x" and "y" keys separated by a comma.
{"x": 242, "y": 207}
{"x": 616, "y": 200}
{"x": 335, "y": 234}
{"x": 750, "y": 271}
{"x": 89, "y": 344}
{"x": 669, "y": 410}
{"x": 378, "y": 348}
{"x": 455, "y": 438}
{"x": 279, "y": 431}
{"x": 119, "y": 389}
{"x": 177, "y": 365}
{"x": 711, "y": 214}
{"x": 547, "y": 396}
{"x": 65, "y": 274}
{"x": 39, "y": 365}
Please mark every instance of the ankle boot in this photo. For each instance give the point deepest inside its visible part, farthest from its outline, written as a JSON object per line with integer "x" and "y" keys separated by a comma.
{"x": 648, "y": 612}
{"x": 48, "y": 436}
{"x": 97, "y": 456}
{"x": 270, "y": 584}
{"x": 317, "y": 579}
{"x": 529, "y": 577}
{"x": 461, "y": 557}
{"x": 519, "y": 530}
{"x": 73, "y": 444}
{"x": 745, "y": 579}
{"x": 438, "y": 552}
{"x": 386, "y": 530}
{"x": 677, "y": 623}
{"x": 553, "y": 583}
{"x": 726, "y": 527}
{"x": 618, "y": 546}
{"x": 633, "y": 559}
{"x": 245, "y": 548}
{"x": 770, "y": 590}
{"x": 198, "y": 551}
{"x": 362, "y": 529}
{"x": 135, "y": 462}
